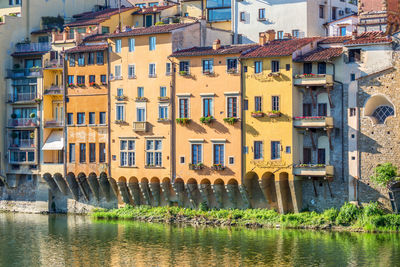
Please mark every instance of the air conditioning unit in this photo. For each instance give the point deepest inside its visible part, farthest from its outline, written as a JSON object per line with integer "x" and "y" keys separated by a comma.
{"x": 341, "y": 12}
{"x": 348, "y": 10}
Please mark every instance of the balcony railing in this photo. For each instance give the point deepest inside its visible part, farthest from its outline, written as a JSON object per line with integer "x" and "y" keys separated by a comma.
{"x": 54, "y": 64}
{"x": 22, "y": 143}
{"x": 21, "y": 97}
{"x": 139, "y": 126}
{"x": 313, "y": 122}
{"x": 23, "y": 122}
{"x": 313, "y": 80}
{"x": 32, "y": 47}
{"x": 54, "y": 90}
{"x": 53, "y": 124}
{"x": 22, "y": 73}
{"x": 314, "y": 170}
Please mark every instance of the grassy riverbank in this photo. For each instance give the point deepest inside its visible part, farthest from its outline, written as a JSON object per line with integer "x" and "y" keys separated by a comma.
{"x": 350, "y": 217}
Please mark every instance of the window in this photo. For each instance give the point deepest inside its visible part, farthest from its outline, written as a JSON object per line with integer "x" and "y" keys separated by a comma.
{"x": 127, "y": 153}
{"x": 231, "y": 64}
{"x": 140, "y": 91}
{"x": 307, "y": 110}
{"x": 257, "y": 103}
{"x": 231, "y": 160}
{"x": 354, "y": 55}
{"x": 322, "y": 109}
{"x": 288, "y": 150}
{"x": 207, "y": 107}
{"x": 152, "y": 43}
{"x": 81, "y": 59}
{"x": 152, "y": 70}
{"x": 275, "y": 150}
{"x": 334, "y": 9}
{"x": 184, "y": 66}
{"x": 100, "y": 58}
{"x": 118, "y": 44}
{"x": 92, "y": 152}
{"x": 275, "y": 103}
{"x": 352, "y": 77}
{"x": 321, "y": 68}
{"x": 80, "y": 118}
{"x": 105, "y": 29}
{"x": 102, "y": 152}
{"x": 321, "y": 156}
{"x": 242, "y": 16}
{"x": 102, "y": 118}
{"x": 183, "y": 108}
{"x": 382, "y": 112}
{"x": 219, "y": 14}
{"x": 182, "y": 160}
{"x": 197, "y": 155}
{"x": 120, "y": 112}
{"x": 71, "y": 153}
{"x": 117, "y": 72}
{"x": 307, "y": 68}
{"x": 140, "y": 114}
{"x": 163, "y": 91}
{"x": 280, "y": 34}
{"x": 321, "y": 11}
{"x": 261, "y": 14}
{"x": 91, "y": 58}
{"x": 103, "y": 79}
{"x": 296, "y": 33}
{"x": 258, "y": 67}
{"x": 80, "y": 80}
{"x": 232, "y": 107}
{"x": 92, "y": 79}
{"x": 219, "y": 154}
{"x": 131, "y": 43}
{"x": 275, "y": 66}
{"x": 168, "y": 68}
{"x": 246, "y": 104}
{"x": 307, "y": 155}
{"x": 163, "y": 112}
{"x": 342, "y": 31}
{"x": 92, "y": 118}
{"x": 153, "y": 153}
{"x": 131, "y": 71}
{"x": 70, "y": 118}
{"x": 71, "y": 79}
{"x": 287, "y": 67}
{"x": 208, "y": 65}
{"x": 72, "y": 60}
{"x": 120, "y": 92}
{"x": 82, "y": 153}
{"x": 258, "y": 150}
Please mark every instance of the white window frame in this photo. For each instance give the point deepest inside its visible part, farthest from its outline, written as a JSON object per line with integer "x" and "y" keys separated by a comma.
{"x": 232, "y": 94}
{"x": 129, "y": 45}
{"x": 209, "y": 96}
{"x": 134, "y": 71}
{"x": 127, "y": 151}
{"x": 164, "y": 106}
{"x": 118, "y": 46}
{"x": 155, "y": 70}
{"x": 155, "y": 43}
{"x": 115, "y": 72}
{"x": 218, "y": 142}
{"x": 179, "y": 106}
{"x": 123, "y": 113}
{"x": 196, "y": 142}
{"x": 154, "y": 151}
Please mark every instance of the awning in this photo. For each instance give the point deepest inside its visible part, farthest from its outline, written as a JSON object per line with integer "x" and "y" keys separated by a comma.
{"x": 55, "y": 141}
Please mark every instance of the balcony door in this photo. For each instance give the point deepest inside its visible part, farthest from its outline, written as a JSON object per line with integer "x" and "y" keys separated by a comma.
{"x": 307, "y": 155}
{"x": 58, "y": 111}
{"x": 140, "y": 115}
{"x": 321, "y": 156}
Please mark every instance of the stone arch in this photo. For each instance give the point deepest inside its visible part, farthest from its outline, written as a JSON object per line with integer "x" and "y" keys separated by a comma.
{"x": 192, "y": 181}
{"x": 133, "y": 180}
{"x": 123, "y": 190}
{"x": 179, "y": 180}
{"x": 50, "y": 182}
{"x": 232, "y": 182}
{"x": 219, "y": 181}
{"x": 256, "y": 196}
{"x": 73, "y": 185}
{"x": 193, "y": 192}
{"x": 284, "y": 191}
{"x": 60, "y": 181}
{"x": 92, "y": 174}
{"x": 155, "y": 190}
{"x": 166, "y": 180}
{"x": 81, "y": 175}
{"x": 134, "y": 190}
{"x": 323, "y": 98}
{"x": 268, "y": 187}
{"x": 179, "y": 188}
{"x": 154, "y": 180}
{"x": 378, "y": 108}
{"x": 205, "y": 181}
{"x": 122, "y": 179}
{"x": 323, "y": 143}
{"x": 144, "y": 180}
{"x": 103, "y": 175}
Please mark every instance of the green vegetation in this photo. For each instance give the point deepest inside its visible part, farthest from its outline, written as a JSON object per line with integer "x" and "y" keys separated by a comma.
{"x": 370, "y": 218}
{"x": 385, "y": 174}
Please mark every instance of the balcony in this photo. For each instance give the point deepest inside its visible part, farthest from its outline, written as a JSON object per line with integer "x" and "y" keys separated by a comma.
{"x": 313, "y": 80}
{"x": 23, "y": 122}
{"x": 54, "y": 64}
{"x": 139, "y": 126}
{"x": 25, "y": 73}
{"x": 32, "y": 47}
{"x": 53, "y": 124}
{"x": 54, "y": 90}
{"x": 319, "y": 170}
{"x": 22, "y": 143}
{"x": 313, "y": 122}
{"x": 21, "y": 97}
{"x": 27, "y": 156}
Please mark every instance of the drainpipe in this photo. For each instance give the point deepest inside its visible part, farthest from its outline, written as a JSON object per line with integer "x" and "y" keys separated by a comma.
{"x": 65, "y": 73}
{"x": 342, "y": 107}
{"x": 242, "y": 141}
{"x": 173, "y": 125}
{"x": 109, "y": 109}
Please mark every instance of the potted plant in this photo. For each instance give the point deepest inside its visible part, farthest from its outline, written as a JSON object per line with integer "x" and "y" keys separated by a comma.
{"x": 32, "y": 121}
{"x": 183, "y": 121}
{"x": 14, "y": 135}
{"x": 197, "y": 166}
{"x": 81, "y": 84}
{"x": 13, "y": 116}
{"x": 257, "y": 114}
{"x": 206, "y": 120}
{"x": 183, "y": 73}
{"x": 207, "y": 72}
{"x": 71, "y": 85}
{"x": 38, "y": 100}
{"x": 120, "y": 97}
{"x": 232, "y": 70}
{"x": 93, "y": 84}
{"x": 141, "y": 98}
{"x": 274, "y": 113}
{"x": 32, "y": 135}
{"x": 163, "y": 98}
{"x": 218, "y": 167}
{"x": 231, "y": 120}
{"x": 119, "y": 121}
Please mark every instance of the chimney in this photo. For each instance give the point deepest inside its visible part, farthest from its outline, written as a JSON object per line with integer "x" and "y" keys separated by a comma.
{"x": 287, "y": 36}
{"x": 354, "y": 35}
{"x": 270, "y": 35}
{"x": 216, "y": 44}
{"x": 262, "y": 38}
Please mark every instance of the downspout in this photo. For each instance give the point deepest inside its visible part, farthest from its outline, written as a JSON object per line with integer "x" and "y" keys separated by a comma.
{"x": 173, "y": 126}
{"x": 342, "y": 106}
{"x": 65, "y": 73}
{"x": 109, "y": 109}
{"x": 242, "y": 141}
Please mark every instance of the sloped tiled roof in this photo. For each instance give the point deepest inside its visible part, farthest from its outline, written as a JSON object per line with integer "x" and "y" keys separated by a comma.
{"x": 87, "y": 48}
{"x": 151, "y": 30}
{"x": 152, "y": 10}
{"x": 208, "y": 50}
{"x": 277, "y": 48}
{"x": 320, "y": 54}
{"x": 369, "y": 38}
{"x": 94, "y": 18}
{"x": 335, "y": 40}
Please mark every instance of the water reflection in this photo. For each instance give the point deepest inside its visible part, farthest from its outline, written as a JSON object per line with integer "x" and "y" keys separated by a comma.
{"x": 58, "y": 240}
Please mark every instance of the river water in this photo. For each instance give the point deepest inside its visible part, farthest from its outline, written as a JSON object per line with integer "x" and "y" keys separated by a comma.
{"x": 61, "y": 240}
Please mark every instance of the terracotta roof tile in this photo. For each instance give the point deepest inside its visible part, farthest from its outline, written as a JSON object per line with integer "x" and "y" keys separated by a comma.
{"x": 151, "y": 10}
{"x": 26, "y": 54}
{"x": 208, "y": 50}
{"x": 369, "y": 38}
{"x": 320, "y": 54}
{"x": 335, "y": 39}
{"x": 87, "y": 48}
{"x": 151, "y": 30}
{"x": 93, "y": 18}
{"x": 278, "y": 48}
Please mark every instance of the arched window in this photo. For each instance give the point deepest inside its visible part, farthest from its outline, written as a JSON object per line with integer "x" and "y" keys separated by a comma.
{"x": 382, "y": 112}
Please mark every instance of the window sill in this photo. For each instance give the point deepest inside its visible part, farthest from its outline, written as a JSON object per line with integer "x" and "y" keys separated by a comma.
{"x": 131, "y": 77}
{"x": 81, "y": 125}
{"x": 163, "y": 120}
{"x": 154, "y": 167}
{"x": 128, "y": 167}
{"x": 152, "y": 76}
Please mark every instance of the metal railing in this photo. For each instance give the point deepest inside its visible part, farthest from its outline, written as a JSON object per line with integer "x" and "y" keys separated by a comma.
{"x": 23, "y": 122}
{"x": 54, "y": 63}
{"x": 20, "y": 73}
{"x": 32, "y": 47}
{"x": 22, "y": 143}
{"x": 21, "y": 97}
{"x": 54, "y": 123}
{"x": 54, "y": 90}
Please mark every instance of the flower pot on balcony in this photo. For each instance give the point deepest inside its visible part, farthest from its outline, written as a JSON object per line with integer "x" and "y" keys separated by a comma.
{"x": 141, "y": 99}
{"x": 163, "y": 98}
{"x": 183, "y": 73}
{"x": 257, "y": 114}
{"x": 195, "y": 167}
{"x": 206, "y": 120}
{"x": 218, "y": 167}
{"x": 183, "y": 121}
{"x": 232, "y": 71}
{"x": 274, "y": 114}
{"x": 231, "y": 120}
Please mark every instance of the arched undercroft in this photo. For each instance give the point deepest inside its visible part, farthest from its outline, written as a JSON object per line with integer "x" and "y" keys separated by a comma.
{"x": 285, "y": 194}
